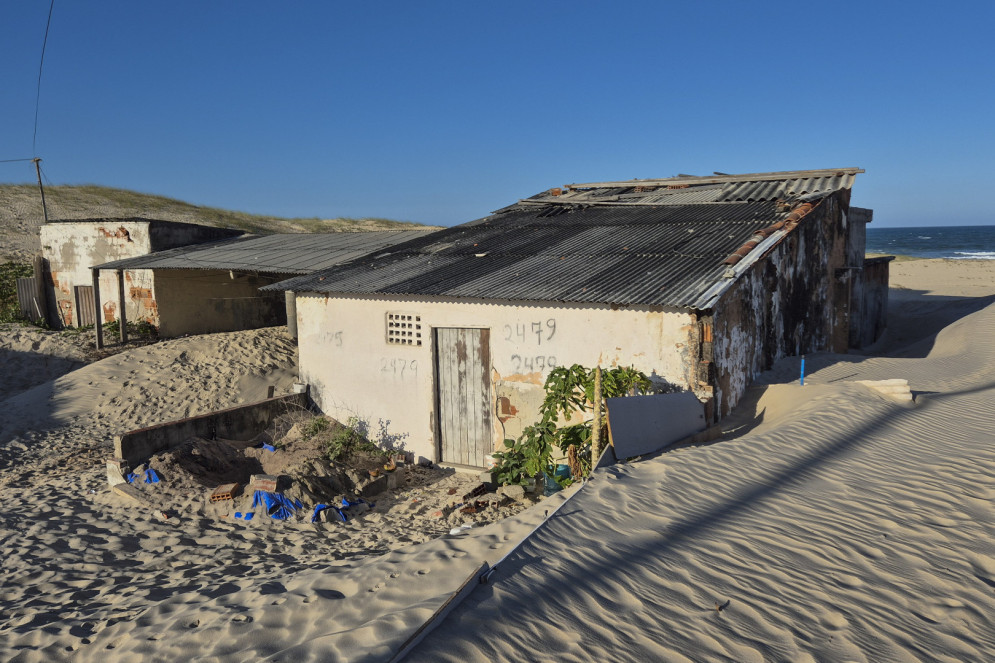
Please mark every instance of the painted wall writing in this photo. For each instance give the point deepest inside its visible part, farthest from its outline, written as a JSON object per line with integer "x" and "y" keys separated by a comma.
{"x": 398, "y": 368}
{"x": 531, "y": 332}
{"x": 532, "y": 364}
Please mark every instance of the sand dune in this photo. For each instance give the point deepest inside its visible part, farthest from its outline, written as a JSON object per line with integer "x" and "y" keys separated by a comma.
{"x": 835, "y": 525}
{"x": 830, "y": 523}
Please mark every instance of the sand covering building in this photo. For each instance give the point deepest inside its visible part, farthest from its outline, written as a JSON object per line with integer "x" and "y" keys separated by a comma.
{"x": 700, "y": 282}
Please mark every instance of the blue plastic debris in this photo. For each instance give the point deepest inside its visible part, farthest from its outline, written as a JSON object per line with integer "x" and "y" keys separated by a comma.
{"x": 130, "y": 477}
{"x": 151, "y": 476}
{"x": 246, "y": 516}
{"x": 346, "y": 503}
{"x": 321, "y": 507}
{"x": 278, "y": 506}
{"x": 268, "y": 447}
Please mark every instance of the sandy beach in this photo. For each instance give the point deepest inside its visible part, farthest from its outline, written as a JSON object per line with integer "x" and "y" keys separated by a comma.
{"x": 830, "y": 522}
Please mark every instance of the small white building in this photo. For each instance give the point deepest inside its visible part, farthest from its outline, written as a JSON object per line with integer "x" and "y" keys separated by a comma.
{"x": 214, "y": 286}
{"x": 71, "y": 247}
{"x": 700, "y": 282}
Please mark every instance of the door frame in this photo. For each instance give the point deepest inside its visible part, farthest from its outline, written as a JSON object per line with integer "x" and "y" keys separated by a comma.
{"x": 436, "y": 391}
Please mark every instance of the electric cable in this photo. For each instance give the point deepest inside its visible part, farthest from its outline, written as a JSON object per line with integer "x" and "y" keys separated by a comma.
{"x": 48, "y": 24}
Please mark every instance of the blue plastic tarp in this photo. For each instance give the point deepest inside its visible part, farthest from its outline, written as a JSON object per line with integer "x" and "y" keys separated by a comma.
{"x": 278, "y": 506}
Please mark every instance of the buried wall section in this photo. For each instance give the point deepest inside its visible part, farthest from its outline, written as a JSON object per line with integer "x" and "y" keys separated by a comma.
{"x": 238, "y": 423}
{"x": 354, "y": 370}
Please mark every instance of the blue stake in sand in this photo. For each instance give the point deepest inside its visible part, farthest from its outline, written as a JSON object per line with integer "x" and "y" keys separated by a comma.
{"x": 801, "y": 381}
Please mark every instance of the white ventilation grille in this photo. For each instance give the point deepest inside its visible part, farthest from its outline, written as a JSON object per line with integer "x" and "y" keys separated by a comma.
{"x": 403, "y": 329}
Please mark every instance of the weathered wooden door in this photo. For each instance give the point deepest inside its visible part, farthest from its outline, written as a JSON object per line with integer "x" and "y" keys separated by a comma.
{"x": 463, "y": 381}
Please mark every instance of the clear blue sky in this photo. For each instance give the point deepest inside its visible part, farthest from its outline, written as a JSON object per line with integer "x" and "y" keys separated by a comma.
{"x": 441, "y": 112}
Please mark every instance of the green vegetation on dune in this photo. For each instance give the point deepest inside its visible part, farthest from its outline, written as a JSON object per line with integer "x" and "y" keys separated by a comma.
{"x": 22, "y": 203}
{"x": 9, "y": 273}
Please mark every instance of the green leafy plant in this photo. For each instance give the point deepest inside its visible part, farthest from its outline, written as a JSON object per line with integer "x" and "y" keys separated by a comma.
{"x": 349, "y": 439}
{"x": 314, "y": 426}
{"x": 570, "y": 396}
{"x": 141, "y": 330}
{"x": 9, "y": 273}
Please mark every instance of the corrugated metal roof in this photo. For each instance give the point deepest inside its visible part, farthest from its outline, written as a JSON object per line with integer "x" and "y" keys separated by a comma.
{"x": 296, "y": 253}
{"x": 685, "y": 190}
{"x": 661, "y": 255}
{"x": 645, "y": 242}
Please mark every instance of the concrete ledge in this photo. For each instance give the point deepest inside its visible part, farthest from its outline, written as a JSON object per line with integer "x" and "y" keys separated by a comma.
{"x": 238, "y": 423}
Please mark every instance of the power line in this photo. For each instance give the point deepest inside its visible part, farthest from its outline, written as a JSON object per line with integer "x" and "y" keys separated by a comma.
{"x": 34, "y": 137}
{"x": 14, "y": 160}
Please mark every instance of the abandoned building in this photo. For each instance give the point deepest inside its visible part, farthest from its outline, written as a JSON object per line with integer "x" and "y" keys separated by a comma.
{"x": 71, "y": 247}
{"x": 700, "y": 282}
{"x": 214, "y": 286}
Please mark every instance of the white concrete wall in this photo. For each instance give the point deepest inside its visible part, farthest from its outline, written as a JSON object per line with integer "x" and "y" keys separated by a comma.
{"x": 71, "y": 248}
{"x": 353, "y": 371}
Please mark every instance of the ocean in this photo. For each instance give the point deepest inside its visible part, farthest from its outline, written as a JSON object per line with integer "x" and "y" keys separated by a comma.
{"x": 954, "y": 242}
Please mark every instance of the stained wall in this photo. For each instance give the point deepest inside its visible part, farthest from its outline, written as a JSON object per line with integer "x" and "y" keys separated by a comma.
{"x": 793, "y": 301}
{"x": 354, "y": 372}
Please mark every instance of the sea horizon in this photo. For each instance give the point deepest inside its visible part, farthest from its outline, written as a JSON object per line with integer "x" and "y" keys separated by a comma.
{"x": 949, "y": 242}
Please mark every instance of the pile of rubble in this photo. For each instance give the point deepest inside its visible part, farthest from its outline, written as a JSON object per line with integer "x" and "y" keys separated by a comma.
{"x": 293, "y": 482}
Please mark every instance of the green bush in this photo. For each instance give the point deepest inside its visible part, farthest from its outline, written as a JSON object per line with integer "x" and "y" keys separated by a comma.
{"x": 9, "y": 273}
{"x": 349, "y": 439}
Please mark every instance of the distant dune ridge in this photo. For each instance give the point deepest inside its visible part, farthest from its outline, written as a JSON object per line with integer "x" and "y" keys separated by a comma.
{"x": 21, "y": 213}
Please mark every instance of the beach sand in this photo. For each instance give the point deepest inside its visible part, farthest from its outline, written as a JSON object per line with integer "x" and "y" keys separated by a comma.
{"x": 829, "y": 522}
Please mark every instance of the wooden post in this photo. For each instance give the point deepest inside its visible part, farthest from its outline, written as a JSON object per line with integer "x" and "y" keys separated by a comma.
{"x": 290, "y": 297}
{"x": 596, "y": 424}
{"x": 122, "y": 318}
{"x": 98, "y": 313}
{"x": 44, "y": 207}
{"x": 41, "y": 290}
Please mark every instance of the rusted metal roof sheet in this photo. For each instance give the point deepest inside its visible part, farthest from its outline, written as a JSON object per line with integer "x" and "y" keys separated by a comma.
{"x": 646, "y": 242}
{"x": 296, "y": 253}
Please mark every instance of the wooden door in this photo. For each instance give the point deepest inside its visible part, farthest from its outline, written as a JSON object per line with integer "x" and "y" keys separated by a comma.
{"x": 463, "y": 383}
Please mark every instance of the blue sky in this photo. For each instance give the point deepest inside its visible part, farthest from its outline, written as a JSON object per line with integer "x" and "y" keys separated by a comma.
{"x": 439, "y": 112}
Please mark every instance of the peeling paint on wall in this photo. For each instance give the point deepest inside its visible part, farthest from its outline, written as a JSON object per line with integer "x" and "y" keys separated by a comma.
{"x": 120, "y": 233}
{"x": 791, "y": 302}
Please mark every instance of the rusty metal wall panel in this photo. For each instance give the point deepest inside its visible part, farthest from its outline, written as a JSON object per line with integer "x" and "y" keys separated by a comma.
{"x": 26, "y": 298}
{"x": 85, "y": 312}
{"x": 463, "y": 383}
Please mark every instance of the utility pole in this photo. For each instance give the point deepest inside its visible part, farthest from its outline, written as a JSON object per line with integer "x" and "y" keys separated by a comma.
{"x": 44, "y": 208}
